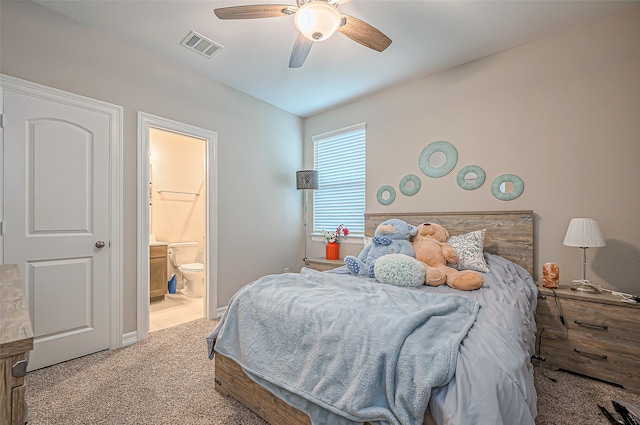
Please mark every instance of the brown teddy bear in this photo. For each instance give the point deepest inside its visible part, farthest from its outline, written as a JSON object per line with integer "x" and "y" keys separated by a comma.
{"x": 432, "y": 250}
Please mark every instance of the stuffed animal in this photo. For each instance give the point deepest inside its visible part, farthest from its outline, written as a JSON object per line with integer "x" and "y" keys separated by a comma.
{"x": 391, "y": 237}
{"x": 399, "y": 270}
{"x": 431, "y": 248}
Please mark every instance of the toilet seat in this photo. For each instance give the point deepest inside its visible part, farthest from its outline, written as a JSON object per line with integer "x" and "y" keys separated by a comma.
{"x": 192, "y": 267}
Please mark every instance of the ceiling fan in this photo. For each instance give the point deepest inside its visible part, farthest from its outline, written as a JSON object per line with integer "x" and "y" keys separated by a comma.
{"x": 316, "y": 20}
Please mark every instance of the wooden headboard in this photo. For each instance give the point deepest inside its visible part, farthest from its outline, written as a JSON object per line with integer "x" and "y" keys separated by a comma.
{"x": 509, "y": 233}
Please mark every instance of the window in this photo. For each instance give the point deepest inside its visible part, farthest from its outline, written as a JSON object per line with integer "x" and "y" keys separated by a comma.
{"x": 339, "y": 157}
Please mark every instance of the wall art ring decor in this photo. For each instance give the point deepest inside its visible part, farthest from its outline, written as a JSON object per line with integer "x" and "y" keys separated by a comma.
{"x": 438, "y": 159}
{"x": 410, "y": 185}
{"x": 507, "y": 187}
{"x": 390, "y": 195}
{"x": 471, "y": 177}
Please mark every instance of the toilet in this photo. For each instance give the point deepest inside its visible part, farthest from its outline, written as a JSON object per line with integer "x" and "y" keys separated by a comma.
{"x": 183, "y": 256}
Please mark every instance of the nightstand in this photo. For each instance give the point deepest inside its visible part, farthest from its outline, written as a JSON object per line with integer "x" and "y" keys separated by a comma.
{"x": 600, "y": 336}
{"x": 322, "y": 264}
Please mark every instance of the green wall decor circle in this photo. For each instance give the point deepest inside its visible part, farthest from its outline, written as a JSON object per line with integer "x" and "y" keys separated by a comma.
{"x": 451, "y": 159}
{"x": 386, "y": 189}
{"x": 501, "y": 190}
{"x": 471, "y": 184}
{"x": 414, "y": 188}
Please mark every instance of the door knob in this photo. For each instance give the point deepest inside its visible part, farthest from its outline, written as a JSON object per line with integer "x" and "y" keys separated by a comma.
{"x": 100, "y": 244}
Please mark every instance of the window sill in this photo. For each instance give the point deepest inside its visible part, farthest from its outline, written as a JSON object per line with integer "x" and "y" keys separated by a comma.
{"x": 343, "y": 239}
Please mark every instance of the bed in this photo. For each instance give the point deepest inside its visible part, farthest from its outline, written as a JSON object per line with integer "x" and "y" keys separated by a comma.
{"x": 483, "y": 373}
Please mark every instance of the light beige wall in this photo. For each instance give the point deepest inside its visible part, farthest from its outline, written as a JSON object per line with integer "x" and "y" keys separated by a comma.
{"x": 178, "y": 165}
{"x": 256, "y": 196}
{"x": 562, "y": 112}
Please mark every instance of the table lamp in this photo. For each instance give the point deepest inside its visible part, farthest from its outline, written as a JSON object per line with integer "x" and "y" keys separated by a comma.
{"x": 584, "y": 233}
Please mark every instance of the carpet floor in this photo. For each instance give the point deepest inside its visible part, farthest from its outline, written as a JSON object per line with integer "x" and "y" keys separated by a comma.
{"x": 168, "y": 379}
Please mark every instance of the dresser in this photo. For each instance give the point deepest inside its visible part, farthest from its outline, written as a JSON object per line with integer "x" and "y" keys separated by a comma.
{"x": 322, "y": 264}
{"x": 597, "y": 335}
{"x": 16, "y": 340}
{"x": 157, "y": 271}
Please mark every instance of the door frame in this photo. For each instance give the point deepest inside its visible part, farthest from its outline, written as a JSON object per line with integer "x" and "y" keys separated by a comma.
{"x": 145, "y": 122}
{"x": 115, "y": 113}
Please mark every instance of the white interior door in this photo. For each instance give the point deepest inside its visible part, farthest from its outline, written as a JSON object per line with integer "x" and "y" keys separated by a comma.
{"x": 56, "y": 224}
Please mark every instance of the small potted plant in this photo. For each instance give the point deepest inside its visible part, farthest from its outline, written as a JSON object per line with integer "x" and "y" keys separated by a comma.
{"x": 332, "y": 248}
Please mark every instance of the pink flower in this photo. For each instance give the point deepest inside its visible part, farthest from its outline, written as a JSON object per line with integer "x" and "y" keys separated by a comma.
{"x": 335, "y": 236}
{"x": 342, "y": 231}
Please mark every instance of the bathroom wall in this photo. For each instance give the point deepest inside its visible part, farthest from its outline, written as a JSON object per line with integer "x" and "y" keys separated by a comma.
{"x": 177, "y": 164}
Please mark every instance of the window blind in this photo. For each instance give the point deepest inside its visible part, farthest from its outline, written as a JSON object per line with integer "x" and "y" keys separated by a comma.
{"x": 339, "y": 157}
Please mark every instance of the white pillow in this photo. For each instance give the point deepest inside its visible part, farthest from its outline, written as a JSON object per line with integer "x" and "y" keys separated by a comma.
{"x": 399, "y": 270}
{"x": 469, "y": 248}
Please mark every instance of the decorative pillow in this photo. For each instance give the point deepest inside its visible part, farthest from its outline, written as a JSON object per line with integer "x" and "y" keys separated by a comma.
{"x": 399, "y": 270}
{"x": 469, "y": 248}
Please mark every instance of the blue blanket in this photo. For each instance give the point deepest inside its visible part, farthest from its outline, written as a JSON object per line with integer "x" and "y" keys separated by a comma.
{"x": 345, "y": 350}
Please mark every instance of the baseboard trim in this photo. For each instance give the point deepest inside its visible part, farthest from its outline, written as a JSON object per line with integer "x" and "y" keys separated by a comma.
{"x": 220, "y": 312}
{"x": 129, "y": 338}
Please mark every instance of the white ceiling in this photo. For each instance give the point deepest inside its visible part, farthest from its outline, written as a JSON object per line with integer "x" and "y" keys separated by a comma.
{"x": 428, "y": 36}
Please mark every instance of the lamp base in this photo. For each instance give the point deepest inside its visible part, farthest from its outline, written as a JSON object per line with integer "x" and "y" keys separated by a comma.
{"x": 584, "y": 286}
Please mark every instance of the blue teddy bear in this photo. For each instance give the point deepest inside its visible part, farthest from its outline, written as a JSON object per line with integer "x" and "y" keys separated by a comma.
{"x": 391, "y": 237}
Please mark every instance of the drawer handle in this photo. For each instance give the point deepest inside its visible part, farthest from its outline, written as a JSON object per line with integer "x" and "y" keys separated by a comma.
{"x": 599, "y": 356}
{"x": 591, "y": 325}
{"x": 19, "y": 369}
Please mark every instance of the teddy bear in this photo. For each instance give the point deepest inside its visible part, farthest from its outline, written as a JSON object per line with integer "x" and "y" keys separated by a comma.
{"x": 391, "y": 237}
{"x": 431, "y": 248}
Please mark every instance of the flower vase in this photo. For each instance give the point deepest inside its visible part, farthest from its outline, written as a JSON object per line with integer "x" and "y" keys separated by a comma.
{"x": 332, "y": 250}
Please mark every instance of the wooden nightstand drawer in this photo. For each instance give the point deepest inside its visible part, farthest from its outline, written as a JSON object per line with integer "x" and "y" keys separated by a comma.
{"x": 595, "y": 335}
{"x": 592, "y": 357}
{"x": 591, "y": 319}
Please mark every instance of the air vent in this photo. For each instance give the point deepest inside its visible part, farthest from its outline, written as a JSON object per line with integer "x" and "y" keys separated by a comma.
{"x": 200, "y": 44}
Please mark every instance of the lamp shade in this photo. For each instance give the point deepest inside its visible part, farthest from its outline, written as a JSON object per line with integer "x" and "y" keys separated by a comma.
{"x": 307, "y": 179}
{"x": 584, "y": 233}
{"x": 317, "y": 20}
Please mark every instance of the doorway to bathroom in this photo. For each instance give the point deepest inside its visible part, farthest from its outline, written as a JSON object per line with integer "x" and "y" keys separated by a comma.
{"x": 176, "y": 233}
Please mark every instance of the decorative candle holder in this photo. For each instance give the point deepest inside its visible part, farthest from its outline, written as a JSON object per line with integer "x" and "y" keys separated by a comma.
{"x": 550, "y": 275}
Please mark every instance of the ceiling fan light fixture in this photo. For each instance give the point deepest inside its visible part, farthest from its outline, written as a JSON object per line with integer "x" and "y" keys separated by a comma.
{"x": 317, "y": 20}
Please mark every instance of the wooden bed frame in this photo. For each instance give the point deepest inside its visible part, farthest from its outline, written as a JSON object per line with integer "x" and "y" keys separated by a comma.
{"x": 508, "y": 234}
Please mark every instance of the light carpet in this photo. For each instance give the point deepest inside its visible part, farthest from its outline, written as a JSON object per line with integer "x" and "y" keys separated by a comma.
{"x": 168, "y": 379}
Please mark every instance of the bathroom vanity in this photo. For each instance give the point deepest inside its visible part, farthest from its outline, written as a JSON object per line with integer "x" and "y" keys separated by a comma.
{"x": 157, "y": 270}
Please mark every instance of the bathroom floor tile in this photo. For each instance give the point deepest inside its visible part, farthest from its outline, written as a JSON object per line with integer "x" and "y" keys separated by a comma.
{"x": 174, "y": 310}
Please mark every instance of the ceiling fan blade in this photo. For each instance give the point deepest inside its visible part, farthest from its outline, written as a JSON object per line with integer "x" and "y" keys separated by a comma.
{"x": 364, "y": 33}
{"x": 300, "y": 51}
{"x": 254, "y": 11}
